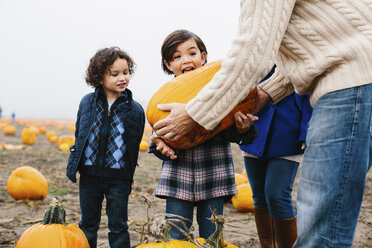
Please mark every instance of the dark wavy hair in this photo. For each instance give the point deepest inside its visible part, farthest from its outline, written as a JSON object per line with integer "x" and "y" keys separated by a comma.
{"x": 101, "y": 61}
{"x": 172, "y": 41}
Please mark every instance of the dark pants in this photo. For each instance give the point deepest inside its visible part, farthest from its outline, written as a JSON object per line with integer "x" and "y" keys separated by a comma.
{"x": 272, "y": 181}
{"x": 185, "y": 209}
{"x": 91, "y": 192}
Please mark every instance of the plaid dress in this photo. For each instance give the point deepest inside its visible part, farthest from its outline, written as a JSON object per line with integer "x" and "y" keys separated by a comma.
{"x": 199, "y": 173}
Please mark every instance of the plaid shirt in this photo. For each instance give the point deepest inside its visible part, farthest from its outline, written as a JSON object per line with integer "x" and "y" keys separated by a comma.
{"x": 199, "y": 173}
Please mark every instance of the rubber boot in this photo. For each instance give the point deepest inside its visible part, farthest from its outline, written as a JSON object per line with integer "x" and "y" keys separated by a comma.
{"x": 264, "y": 225}
{"x": 285, "y": 232}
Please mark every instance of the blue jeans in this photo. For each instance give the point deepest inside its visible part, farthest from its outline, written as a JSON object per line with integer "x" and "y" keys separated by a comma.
{"x": 204, "y": 212}
{"x": 271, "y": 181}
{"x": 335, "y": 165}
{"x": 91, "y": 192}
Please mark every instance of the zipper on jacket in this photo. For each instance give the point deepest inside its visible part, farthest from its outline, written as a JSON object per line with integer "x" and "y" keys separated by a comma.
{"x": 103, "y": 141}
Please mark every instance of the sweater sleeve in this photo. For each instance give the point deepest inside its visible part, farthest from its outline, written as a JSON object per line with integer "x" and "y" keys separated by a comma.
{"x": 277, "y": 86}
{"x": 262, "y": 25}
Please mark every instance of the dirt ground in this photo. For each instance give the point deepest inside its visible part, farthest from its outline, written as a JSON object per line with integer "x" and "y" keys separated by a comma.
{"x": 17, "y": 216}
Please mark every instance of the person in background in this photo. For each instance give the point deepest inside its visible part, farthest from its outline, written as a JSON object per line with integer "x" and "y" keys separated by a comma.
{"x": 1, "y": 111}
{"x": 321, "y": 48}
{"x": 109, "y": 129}
{"x": 201, "y": 176}
{"x": 271, "y": 163}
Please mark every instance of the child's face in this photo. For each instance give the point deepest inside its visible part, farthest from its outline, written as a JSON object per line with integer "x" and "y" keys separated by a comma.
{"x": 187, "y": 57}
{"x": 116, "y": 78}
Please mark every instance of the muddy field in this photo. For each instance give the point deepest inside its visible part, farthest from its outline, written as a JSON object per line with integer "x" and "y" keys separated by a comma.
{"x": 17, "y": 216}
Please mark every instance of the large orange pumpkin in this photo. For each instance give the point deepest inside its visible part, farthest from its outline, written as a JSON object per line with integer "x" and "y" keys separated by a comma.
{"x": 243, "y": 200}
{"x": 27, "y": 183}
{"x": 53, "y": 232}
{"x": 184, "y": 88}
{"x": 28, "y": 136}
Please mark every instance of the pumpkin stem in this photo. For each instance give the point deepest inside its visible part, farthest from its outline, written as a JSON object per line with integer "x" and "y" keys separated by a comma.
{"x": 55, "y": 214}
{"x": 216, "y": 238}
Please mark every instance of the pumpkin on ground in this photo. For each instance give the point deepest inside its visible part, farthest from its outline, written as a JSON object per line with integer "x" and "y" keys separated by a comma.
{"x": 240, "y": 179}
{"x": 144, "y": 146}
{"x": 64, "y": 147}
{"x": 42, "y": 130}
{"x": 53, "y": 139}
{"x": 9, "y": 130}
{"x": 53, "y": 232}
{"x": 227, "y": 244}
{"x": 50, "y": 134}
{"x": 182, "y": 89}
{"x": 68, "y": 139}
{"x": 243, "y": 200}
{"x": 28, "y": 136}
{"x": 27, "y": 183}
{"x": 171, "y": 244}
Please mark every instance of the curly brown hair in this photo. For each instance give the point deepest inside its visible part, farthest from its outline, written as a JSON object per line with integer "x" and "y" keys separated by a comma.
{"x": 102, "y": 61}
{"x": 172, "y": 41}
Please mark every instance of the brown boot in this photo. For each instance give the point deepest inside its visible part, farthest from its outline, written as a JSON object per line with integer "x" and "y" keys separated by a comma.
{"x": 285, "y": 232}
{"x": 264, "y": 226}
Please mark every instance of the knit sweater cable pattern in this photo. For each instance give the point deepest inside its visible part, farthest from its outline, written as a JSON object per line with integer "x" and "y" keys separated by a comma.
{"x": 318, "y": 46}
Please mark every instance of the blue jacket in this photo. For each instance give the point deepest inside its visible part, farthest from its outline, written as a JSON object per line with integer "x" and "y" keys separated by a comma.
{"x": 281, "y": 128}
{"x": 133, "y": 117}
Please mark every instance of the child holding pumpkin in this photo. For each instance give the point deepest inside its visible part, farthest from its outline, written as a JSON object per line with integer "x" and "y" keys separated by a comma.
{"x": 201, "y": 176}
{"x": 109, "y": 129}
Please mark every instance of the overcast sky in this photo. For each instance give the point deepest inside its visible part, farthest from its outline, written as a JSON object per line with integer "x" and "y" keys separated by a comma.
{"x": 45, "y": 46}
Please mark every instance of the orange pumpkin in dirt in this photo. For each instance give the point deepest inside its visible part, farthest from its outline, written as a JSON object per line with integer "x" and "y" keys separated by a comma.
{"x": 9, "y": 130}
{"x": 27, "y": 183}
{"x": 28, "y": 136}
{"x": 171, "y": 244}
{"x": 52, "y": 136}
{"x": 243, "y": 200}
{"x": 64, "y": 147}
{"x": 42, "y": 130}
{"x": 182, "y": 89}
{"x": 67, "y": 139}
{"x": 240, "y": 179}
{"x": 227, "y": 244}
{"x": 53, "y": 232}
{"x": 144, "y": 146}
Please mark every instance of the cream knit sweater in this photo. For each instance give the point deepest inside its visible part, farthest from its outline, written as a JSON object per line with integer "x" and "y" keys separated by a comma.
{"x": 319, "y": 46}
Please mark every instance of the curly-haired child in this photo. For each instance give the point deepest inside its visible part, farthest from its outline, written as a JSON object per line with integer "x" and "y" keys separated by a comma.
{"x": 109, "y": 128}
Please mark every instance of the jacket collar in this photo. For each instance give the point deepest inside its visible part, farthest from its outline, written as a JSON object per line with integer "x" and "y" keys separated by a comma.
{"x": 123, "y": 102}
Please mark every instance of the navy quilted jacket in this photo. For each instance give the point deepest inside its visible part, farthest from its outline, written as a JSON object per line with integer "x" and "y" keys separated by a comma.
{"x": 133, "y": 117}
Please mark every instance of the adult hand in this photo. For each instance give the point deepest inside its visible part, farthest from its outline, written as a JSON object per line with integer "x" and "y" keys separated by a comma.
{"x": 262, "y": 99}
{"x": 176, "y": 125}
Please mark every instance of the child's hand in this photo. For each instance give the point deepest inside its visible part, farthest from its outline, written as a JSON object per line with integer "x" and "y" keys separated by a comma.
{"x": 303, "y": 146}
{"x": 162, "y": 147}
{"x": 244, "y": 122}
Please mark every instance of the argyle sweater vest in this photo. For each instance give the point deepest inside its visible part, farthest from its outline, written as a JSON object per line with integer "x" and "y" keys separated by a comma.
{"x": 108, "y": 136}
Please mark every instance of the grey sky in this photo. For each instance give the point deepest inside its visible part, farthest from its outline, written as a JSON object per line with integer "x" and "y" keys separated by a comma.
{"x": 45, "y": 46}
